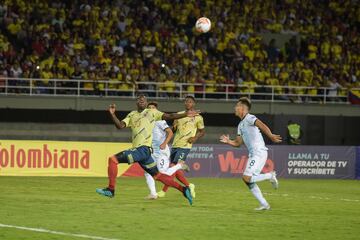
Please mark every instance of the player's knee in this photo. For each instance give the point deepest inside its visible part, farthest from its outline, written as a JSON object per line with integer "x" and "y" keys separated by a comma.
{"x": 250, "y": 185}
{"x": 112, "y": 159}
{"x": 155, "y": 174}
{"x": 122, "y": 158}
{"x": 119, "y": 158}
{"x": 246, "y": 179}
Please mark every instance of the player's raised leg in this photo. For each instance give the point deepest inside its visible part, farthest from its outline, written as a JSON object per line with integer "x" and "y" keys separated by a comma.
{"x": 271, "y": 176}
{"x": 178, "y": 155}
{"x": 162, "y": 162}
{"x": 150, "y": 167}
{"x": 164, "y": 170}
{"x": 258, "y": 162}
{"x": 171, "y": 171}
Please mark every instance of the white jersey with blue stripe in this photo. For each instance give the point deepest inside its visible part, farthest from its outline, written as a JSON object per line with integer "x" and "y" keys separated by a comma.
{"x": 251, "y": 134}
{"x": 159, "y": 134}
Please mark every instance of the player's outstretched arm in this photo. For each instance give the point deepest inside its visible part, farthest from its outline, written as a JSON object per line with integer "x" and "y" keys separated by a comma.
{"x": 119, "y": 124}
{"x": 266, "y": 130}
{"x": 173, "y": 116}
{"x": 235, "y": 143}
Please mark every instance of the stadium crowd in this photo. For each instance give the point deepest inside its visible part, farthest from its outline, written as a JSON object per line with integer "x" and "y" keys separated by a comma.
{"x": 130, "y": 41}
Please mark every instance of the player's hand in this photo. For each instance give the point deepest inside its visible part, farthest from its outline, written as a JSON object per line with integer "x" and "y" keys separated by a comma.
{"x": 224, "y": 138}
{"x": 112, "y": 108}
{"x": 163, "y": 146}
{"x": 192, "y": 113}
{"x": 191, "y": 140}
{"x": 276, "y": 138}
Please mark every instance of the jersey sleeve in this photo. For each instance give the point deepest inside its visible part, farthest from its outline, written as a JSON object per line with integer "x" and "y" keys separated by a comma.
{"x": 251, "y": 120}
{"x": 238, "y": 131}
{"x": 126, "y": 120}
{"x": 163, "y": 125}
{"x": 200, "y": 123}
{"x": 157, "y": 115}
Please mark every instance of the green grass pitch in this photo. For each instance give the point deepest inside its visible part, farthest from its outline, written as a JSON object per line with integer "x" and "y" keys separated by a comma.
{"x": 223, "y": 209}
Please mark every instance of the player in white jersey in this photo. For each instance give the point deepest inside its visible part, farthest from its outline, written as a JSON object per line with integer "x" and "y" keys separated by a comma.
{"x": 249, "y": 134}
{"x": 162, "y": 135}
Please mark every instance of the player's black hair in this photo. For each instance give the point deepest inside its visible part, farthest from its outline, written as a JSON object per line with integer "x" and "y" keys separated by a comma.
{"x": 246, "y": 101}
{"x": 153, "y": 103}
{"x": 191, "y": 97}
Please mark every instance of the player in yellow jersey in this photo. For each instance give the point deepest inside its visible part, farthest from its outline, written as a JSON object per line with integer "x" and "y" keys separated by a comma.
{"x": 187, "y": 131}
{"x": 142, "y": 122}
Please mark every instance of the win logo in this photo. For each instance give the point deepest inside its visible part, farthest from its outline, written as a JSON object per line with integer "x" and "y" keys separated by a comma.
{"x": 230, "y": 164}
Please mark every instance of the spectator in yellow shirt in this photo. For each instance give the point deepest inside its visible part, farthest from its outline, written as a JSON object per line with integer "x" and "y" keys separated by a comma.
{"x": 249, "y": 86}
{"x": 336, "y": 49}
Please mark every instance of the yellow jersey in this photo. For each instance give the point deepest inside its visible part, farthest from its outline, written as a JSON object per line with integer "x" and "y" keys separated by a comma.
{"x": 142, "y": 124}
{"x": 186, "y": 128}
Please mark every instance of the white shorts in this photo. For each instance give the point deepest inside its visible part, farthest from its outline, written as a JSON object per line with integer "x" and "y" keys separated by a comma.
{"x": 256, "y": 163}
{"x": 162, "y": 158}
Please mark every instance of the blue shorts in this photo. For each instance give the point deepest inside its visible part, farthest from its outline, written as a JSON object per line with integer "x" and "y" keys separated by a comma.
{"x": 141, "y": 155}
{"x": 178, "y": 154}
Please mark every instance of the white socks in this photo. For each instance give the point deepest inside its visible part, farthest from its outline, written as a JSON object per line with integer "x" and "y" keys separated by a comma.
{"x": 261, "y": 177}
{"x": 151, "y": 184}
{"x": 255, "y": 190}
{"x": 170, "y": 171}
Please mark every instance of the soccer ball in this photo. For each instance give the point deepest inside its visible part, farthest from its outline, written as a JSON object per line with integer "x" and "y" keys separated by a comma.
{"x": 203, "y": 25}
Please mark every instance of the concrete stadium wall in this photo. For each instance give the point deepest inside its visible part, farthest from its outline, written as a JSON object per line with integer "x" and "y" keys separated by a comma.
{"x": 316, "y": 130}
{"x": 84, "y": 132}
{"x": 126, "y": 104}
{"x": 86, "y": 119}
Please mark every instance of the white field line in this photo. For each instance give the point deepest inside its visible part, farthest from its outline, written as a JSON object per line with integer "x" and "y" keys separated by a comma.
{"x": 56, "y": 232}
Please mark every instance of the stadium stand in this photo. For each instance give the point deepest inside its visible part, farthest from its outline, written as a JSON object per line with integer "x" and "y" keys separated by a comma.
{"x": 117, "y": 45}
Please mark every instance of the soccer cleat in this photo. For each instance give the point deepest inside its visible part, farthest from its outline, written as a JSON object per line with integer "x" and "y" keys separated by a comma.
{"x": 274, "y": 181}
{"x": 262, "y": 208}
{"x": 107, "y": 192}
{"x": 192, "y": 190}
{"x": 151, "y": 197}
{"x": 187, "y": 195}
{"x": 184, "y": 166}
{"x": 161, "y": 194}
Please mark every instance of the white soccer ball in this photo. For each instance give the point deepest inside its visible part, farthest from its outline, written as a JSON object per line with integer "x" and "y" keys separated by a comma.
{"x": 203, "y": 25}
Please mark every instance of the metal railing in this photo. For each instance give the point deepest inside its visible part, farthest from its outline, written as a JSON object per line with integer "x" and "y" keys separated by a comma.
{"x": 226, "y": 92}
